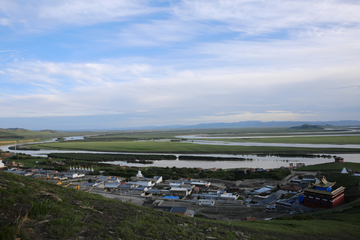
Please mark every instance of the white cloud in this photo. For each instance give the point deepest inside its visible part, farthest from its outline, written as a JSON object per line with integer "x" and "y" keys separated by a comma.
{"x": 74, "y": 73}
{"x": 329, "y": 48}
{"x": 4, "y": 22}
{"x": 112, "y": 87}
{"x": 201, "y": 60}
{"x": 158, "y": 32}
{"x": 86, "y": 12}
{"x": 258, "y": 17}
{"x": 38, "y": 14}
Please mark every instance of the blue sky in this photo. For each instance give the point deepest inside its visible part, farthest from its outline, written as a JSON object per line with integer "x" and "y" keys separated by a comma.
{"x": 85, "y": 64}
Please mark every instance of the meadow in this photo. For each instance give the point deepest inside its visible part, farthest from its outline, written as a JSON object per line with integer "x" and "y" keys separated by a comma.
{"x": 300, "y": 140}
{"x": 333, "y": 166}
{"x": 177, "y": 147}
{"x": 332, "y": 172}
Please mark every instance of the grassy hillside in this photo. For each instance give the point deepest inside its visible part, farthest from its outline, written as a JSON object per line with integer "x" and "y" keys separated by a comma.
{"x": 308, "y": 127}
{"x": 333, "y": 166}
{"x": 12, "y": 135}
{"x": 332, "y": 172}
{"x": 33, "y": 209}
{"x": 20, "y": 135}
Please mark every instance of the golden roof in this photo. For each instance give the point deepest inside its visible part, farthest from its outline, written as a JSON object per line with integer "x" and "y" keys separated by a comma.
{"x": 312, "y": 190}
{"x": 324, "y": 183}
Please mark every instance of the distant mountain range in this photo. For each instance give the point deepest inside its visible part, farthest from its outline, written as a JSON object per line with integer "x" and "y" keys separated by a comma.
{"x": 245, "y": 124}
{"x": 255, "y": 124}
{"x": 26, "y": 130}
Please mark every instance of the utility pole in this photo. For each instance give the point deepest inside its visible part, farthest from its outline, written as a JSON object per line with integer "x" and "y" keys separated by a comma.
{"x": 16, "y": 153}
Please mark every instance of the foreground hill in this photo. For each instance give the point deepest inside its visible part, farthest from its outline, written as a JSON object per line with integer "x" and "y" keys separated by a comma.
{"x": 34, "y": 209}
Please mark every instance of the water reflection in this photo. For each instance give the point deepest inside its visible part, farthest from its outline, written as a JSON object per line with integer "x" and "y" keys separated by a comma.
{"x": 258, "y": 161}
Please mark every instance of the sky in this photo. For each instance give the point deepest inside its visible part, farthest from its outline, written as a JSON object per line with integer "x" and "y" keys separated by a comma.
{"x": 86, "y": 64}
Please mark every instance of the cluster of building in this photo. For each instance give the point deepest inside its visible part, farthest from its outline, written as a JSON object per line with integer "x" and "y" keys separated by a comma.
{"x": 44, "y": 174}
{"x": 323, "y": 194}
{"x": 169, "y": 189}
{"x": 10, "y": 164}
{"x": 350, "y": 171}
{"x": 85, "y": 170}
{"x": 299, "y": 193}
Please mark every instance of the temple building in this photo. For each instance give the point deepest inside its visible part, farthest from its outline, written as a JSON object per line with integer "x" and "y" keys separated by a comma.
{"x": 323, "y": 194}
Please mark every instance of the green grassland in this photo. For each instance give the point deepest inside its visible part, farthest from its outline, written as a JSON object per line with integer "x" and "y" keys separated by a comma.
{"x": 333, "y": 166}
{"x": 10, "y": 136}
{"x": 29, "y": 161}
{"x": 340, "y": 179}
{"x": 175, "y": 147}
{"x": 27, "y": 135}
{"x": 332, "y": 172}
{"x": 34, "y": 209}
{"x": 225, "y": 132}
{"x": 300, "y": 140}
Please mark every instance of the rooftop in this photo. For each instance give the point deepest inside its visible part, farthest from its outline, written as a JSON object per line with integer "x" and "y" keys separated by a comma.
{"x": 333, "y": 192}
{"x": 324, "y": 183}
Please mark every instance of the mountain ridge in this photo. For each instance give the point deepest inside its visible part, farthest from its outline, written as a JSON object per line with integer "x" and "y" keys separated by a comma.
{"x": 341, "y": 123}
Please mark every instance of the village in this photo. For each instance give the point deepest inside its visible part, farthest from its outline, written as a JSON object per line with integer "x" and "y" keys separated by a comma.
{"x": 247, "y": 199}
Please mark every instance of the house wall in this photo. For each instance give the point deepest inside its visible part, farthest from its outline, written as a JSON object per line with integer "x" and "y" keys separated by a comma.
{"x": 324, "y": 203}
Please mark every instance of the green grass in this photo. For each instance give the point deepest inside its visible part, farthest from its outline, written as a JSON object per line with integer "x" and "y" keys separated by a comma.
{"x": 332, "y": 172}
{"x": 344, "y": 180}
{"x": 176, "y": 147}
{"x": 333, "y": 166}
{"x": 301, "y": 140}
{"x": 77, "y": 216}
{"x": 31, "y": 162}
{"x": 225, "y": 132}
{"x": 8, "y": 136}
{"x": 161, "y": 134}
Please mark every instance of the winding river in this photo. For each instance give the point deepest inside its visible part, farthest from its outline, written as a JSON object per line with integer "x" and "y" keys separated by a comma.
{"x": 256, "y": 162}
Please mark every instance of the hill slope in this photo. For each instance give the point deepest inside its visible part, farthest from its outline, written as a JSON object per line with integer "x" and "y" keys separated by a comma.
{"x": 33, "y": 209}
{"x": 307, "y": 127}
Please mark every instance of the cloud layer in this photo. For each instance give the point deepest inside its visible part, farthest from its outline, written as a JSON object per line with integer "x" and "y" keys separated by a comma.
{"x": 180, "y": 62}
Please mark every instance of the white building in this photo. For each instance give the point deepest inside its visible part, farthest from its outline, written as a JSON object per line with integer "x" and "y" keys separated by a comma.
{"x": 175, "y": 184}
{"x": 139, "y": 174}
{"x": 1, "y": 164}
{"x": 200, "y": 184}
{"x": 143, "y": 183}
{"x": 74, "y": 175}
{"x": 228, "y": 196}
{"x": 206, "y": 202}
{"x": 180, "y": 191}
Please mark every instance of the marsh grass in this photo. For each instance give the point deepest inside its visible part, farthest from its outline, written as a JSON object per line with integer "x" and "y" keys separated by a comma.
{"x": 300, "y": 140}
{"x": 178, "y": 147}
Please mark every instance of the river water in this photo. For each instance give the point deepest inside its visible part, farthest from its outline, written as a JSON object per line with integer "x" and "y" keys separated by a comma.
{"x": 256, "y": 162}
{"x": 252, "y": 144}
{"x": 331, "y": 132}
